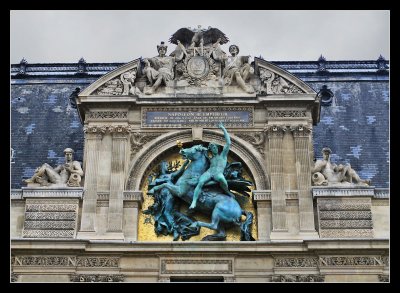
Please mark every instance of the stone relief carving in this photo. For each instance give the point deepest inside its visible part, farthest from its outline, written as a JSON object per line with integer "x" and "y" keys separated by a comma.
{"x": 96, "y": 278}
{"x": 97, "y": 262}
{"x": 350, "y": 261}
{"x": 286, "y": 113}
{"x": 298, "y": 278}
{"x": 107, "y": 115}
{"x": 103, "y": 129}
{"x": 296, "y": 262}
{"x": 63, "y": 261}
{"x": 68, "y": 174}
{"x": 14, "y": 277}
{"x": 326, "y": 173}
{"x": 273, "y": 84}
{"x": 383, "y": 278}
{"x": 138, "y": 139}
{"x": 124, "y": 84}
{"x": 257, "y": 139}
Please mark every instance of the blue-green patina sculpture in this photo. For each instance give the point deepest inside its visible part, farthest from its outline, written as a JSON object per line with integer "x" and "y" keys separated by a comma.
{"x": 212, "y": 190}
{"x": 165, "y": 210}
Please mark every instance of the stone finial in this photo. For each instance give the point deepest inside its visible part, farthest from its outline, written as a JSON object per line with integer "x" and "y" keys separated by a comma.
{"x": 73, "y": 96}
{"x": 22, "y": 66}
{"x": 381, "y": 64}
{"x": 81, "y": 65}
{"x": 325, "y": 95}
{"x": 321, "y": 64}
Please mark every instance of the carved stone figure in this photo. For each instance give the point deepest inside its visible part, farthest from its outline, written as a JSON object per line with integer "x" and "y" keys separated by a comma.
{"x": 128, "y": 80}
{"x": 327, "y": 173}
{"x": 159, "y": 69}
{"x": 67, "y": 174}
{"x": 168, "y": 220}
{"x": 237, "y": 68}
{"x": 198, "y": 37}
{"x": 216, "y": 170}
{"x": 212, "y": 197}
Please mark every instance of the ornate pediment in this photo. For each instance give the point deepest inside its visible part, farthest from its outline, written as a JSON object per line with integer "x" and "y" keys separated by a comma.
{"x": 119, "y": 82}
{"x": 198, "y": 65}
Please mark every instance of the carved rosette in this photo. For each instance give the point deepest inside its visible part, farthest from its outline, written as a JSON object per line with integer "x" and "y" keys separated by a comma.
{"x": 286, "y": 113}
{"x": 257, "y": 139}
{"x": 138, "y": 139}
{"x": 274, "y": 84}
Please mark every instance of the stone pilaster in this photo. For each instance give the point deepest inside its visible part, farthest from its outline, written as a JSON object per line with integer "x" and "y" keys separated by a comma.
{"x": 262, "y": 198}
{"x": 278, "y": 198}
{"x": 302, "y": 136}
{"x": 118, "y": 158}
{"x": 92, "y": 145}
{"x": 132, "y": 203}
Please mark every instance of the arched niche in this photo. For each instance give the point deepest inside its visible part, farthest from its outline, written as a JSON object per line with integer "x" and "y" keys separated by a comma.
{"x": 141, "y": 162}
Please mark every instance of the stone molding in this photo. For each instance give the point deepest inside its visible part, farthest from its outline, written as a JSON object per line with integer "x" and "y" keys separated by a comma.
{"x": 43, "y": 192}
{"x": 209, "y": 266}
{"x": 103, "y": 195}
{"x": 96, "y": 278}
{"x": 382, "y": 193}
{"x": 340, "y": 191}
{"x": 16, "y": 194}
{"x": 261, "y": 195}
{"x": 298, "y": 278}
{"x": 293, "y": 194}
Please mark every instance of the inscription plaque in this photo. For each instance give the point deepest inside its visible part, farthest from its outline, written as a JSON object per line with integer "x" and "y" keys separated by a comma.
{"x": 173, "y": 117}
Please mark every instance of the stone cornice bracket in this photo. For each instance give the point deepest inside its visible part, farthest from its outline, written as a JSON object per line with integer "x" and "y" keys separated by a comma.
{"x": 275, "y": 130}
{"x": 134, "y": 196}
{"x": 301, "y": 130}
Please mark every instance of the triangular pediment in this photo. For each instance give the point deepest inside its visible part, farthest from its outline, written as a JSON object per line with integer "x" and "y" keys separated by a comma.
{"x": 119, "y": 82}
{"x": 277, "y": 81}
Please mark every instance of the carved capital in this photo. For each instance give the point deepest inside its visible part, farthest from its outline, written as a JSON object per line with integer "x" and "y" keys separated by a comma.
{"x": 301, "y": 130}
{"x": 275, "y": 131}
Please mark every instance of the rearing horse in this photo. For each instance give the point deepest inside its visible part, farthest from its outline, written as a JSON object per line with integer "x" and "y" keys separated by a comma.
{"x": 224, "y": 209}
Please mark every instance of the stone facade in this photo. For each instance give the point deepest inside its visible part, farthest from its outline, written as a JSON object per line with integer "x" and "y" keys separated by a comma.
{"x": 91, "y": 234}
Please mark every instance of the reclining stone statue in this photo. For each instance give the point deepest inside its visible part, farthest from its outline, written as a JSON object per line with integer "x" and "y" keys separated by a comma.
{"x": 68, "y": 174}
{"x": 326, "y": 173}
